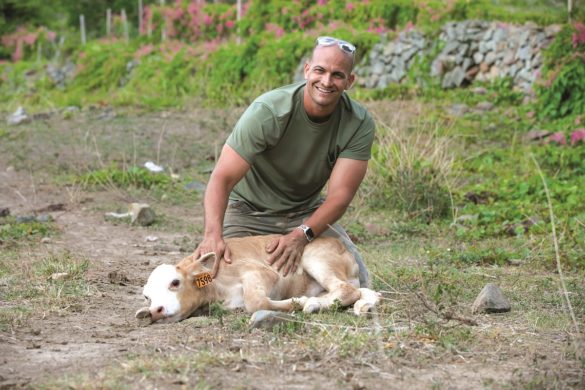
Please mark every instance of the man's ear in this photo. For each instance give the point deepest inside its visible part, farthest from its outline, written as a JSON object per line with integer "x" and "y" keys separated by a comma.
{"x": 307, "y": 69}
{"x": 350, "y": 81}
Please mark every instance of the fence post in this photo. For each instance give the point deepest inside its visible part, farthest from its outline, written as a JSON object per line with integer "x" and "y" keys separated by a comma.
{"x": 140, "y": 11}
{"x": 108, "y": 22}
{"x": 163, "y": 30}
{"x": 82, "y": 27}
{"x": 125, "y": 23}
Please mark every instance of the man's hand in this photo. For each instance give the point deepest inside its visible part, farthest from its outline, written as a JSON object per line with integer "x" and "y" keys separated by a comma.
{"x": 286, "y": 251}
{"x": 219, "y": 247}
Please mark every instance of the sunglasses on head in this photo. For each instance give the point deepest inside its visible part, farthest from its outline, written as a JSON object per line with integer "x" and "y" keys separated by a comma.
{"x": 343, "y": 45}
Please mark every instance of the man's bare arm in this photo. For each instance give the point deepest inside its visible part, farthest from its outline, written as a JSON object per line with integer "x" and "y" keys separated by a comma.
{"x": 343, "y": 184}
{"x": 229, "y": 170}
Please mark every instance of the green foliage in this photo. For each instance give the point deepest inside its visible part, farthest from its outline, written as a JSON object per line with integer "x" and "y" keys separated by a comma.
{"x": 562, "y": 92}
{"x": 12, "y": 232}
{"x": 101, "y": 67}
{"x": 133, "y": 176}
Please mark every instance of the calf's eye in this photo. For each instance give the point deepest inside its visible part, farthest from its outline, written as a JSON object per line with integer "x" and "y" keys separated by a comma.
{"x": 175, "y": 283}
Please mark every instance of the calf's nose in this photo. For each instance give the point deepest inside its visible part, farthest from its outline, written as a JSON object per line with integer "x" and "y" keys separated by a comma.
{"x": 157, "y": 313}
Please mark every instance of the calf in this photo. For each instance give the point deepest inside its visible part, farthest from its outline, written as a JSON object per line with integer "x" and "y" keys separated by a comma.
{"x": 327, "y": 273}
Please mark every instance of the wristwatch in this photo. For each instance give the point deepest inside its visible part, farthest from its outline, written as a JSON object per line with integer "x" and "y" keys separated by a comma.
{"x": 309, "y": 235}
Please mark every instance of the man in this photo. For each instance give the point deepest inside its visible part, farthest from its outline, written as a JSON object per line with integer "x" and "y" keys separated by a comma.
{"x": 287, "y": 145}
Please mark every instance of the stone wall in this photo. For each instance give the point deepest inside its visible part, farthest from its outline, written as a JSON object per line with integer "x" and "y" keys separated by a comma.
{"x": 471, "y": 51}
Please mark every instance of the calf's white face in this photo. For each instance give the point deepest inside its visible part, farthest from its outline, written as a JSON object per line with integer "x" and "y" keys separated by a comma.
{"x": 161, "y": 290}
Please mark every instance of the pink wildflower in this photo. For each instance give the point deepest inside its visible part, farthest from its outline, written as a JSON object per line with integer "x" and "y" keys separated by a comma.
{"x": 230, "y": 24}
{"x": 30, "y": 39}
{"x": 579, "y": 36}
{"x": 321, "y": 2}
{"x": 274, "y": 28}
{"x": 577, "y": 136}
{"x": 207, "y": 20}
{"x": 409, "y": 26}
{"x": 558, "y": 137}
{"x": 51, "y": 35}
{"x": 219, "y": 28}
{"x": 349, "y": 6}
{"x": 144, "y": 51}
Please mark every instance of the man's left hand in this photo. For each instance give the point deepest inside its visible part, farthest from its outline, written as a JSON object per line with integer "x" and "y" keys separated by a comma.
{"x": 286, "y": 251}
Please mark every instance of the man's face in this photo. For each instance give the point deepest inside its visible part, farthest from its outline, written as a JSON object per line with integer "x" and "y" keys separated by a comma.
{"x": 328, "y": 74}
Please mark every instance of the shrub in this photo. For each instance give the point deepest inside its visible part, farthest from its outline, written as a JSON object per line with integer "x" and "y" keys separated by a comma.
{"x": 562, "y": 89}
{"x": 411, "y": 171}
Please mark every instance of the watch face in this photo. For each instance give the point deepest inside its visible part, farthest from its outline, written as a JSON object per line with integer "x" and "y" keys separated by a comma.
{"x": 308, "y": 232}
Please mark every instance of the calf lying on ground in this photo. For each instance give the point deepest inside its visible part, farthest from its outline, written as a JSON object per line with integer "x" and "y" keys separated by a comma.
{"x": 327, "y": 272}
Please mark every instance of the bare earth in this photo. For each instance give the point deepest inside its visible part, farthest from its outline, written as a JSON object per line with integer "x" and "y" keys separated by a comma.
{"x": 99, "y": 344}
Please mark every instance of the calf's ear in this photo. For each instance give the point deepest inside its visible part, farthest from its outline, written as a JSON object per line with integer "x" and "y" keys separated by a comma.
{"x": 207, "y": 260}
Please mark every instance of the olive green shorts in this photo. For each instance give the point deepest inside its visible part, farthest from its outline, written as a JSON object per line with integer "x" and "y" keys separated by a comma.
{"x": 241, "y": 219}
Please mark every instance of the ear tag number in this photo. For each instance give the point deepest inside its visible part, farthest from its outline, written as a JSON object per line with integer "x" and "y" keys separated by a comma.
{"x": 202, "y": 280}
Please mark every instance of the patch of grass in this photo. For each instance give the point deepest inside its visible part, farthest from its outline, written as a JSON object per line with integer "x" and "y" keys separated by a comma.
{"x": 133, "y": 176}
{"x": 411, "y": 170}
{"x": 39, "y": 285}
{"x": 13, "y": 232}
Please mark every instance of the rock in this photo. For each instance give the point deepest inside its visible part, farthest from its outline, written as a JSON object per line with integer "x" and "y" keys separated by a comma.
{"x": 454, "y": 78}
{"x": 268, "y": 319}
{"x": 536, "y": 135}
{"x": 195, "y": 186}
{"x": 458, "y": 109}
{"x": 142, "y": 214}
{"x": 118, "y": 278}
{"x": 484, "y": 106}
{"x": 59, "y": 276}
{"x": 479, "y": 90}
{"x": 26, "y": 219}
{"x": 19, "y": 116}
{"x": 491, "y": 300}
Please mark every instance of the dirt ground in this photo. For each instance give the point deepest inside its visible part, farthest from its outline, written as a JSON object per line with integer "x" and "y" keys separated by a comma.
{"x": 101, "y": 341}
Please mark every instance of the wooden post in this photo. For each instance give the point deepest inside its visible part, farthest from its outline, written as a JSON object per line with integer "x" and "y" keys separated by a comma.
{"x": 108, "y": 22}
{"x": 163, "y": 30}
{"x": 125, "y": 24}
{"x": 570, "y": 8}
{"x": 82, "y": 27}
{"x": 39, "y": 51}
{"x": 140, "y": 12}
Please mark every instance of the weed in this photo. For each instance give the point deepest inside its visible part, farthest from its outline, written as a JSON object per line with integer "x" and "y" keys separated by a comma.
{"x": 411, "y": 171}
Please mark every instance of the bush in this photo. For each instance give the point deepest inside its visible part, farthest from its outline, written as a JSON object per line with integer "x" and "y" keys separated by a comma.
{"x": 411, "y": 172}
{"x": 562, "y": 91}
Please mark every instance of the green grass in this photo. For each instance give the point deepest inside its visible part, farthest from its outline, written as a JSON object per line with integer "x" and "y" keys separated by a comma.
{"x": 30, "y": 288}
{"x": 14, "y": 233}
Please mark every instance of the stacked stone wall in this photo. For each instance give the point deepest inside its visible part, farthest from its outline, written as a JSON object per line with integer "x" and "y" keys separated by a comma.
{"x": 472, "y": 50}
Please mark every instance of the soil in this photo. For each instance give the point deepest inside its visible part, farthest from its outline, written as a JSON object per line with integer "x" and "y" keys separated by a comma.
{"x": 101, "y": 335}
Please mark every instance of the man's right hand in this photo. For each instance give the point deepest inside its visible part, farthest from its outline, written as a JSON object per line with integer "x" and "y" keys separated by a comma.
{"x": 217, "y": 246}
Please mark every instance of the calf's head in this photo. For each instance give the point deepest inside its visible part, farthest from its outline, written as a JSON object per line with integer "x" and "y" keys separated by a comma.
{"x": 176, "y": 292}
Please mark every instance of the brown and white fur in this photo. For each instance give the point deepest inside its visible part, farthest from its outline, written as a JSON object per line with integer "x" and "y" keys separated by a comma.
{"x": 327, "y": 272}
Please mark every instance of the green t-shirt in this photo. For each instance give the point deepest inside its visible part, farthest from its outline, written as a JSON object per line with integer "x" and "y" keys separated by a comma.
{"x": 292, "y": 157}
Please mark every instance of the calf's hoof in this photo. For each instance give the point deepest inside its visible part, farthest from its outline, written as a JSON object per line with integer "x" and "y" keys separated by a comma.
{"x": 312, "y": 306}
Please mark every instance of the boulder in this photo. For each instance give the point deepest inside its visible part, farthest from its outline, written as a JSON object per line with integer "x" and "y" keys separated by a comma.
{"x": 141, "y": 214}
{"x": 490, "y": 300}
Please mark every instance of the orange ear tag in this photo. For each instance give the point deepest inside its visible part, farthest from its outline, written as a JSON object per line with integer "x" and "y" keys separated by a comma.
{"x": 203, "y": 279}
